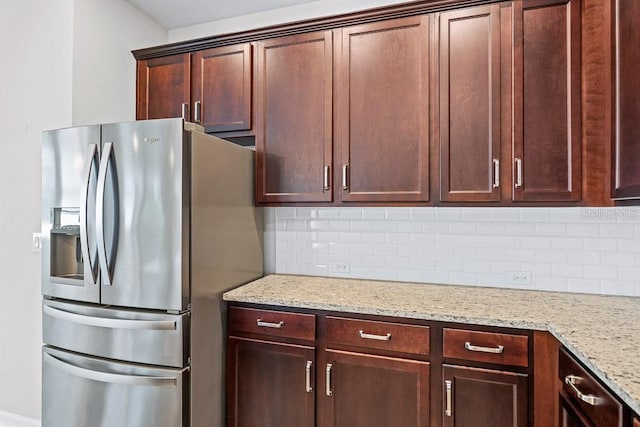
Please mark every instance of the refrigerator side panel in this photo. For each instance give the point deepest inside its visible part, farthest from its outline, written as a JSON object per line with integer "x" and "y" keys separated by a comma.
{"x": 69, "y": 173}
{"x": 226, "y": 251}
{"x": 143, "y": 215}
{"x": 83, "y": 391}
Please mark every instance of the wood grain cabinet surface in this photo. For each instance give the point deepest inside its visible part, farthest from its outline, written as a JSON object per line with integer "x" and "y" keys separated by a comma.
{"x": 294, "y": 127}
{"x": 477, "y": 397}
{"x": 221, "y": 88}
{"x": 626, "y": 179}
{"x": 469, "y": 127}
{"x": 547, "y": 138}
{"x": 163, "y": 87}
{"x": 383, "y": 98}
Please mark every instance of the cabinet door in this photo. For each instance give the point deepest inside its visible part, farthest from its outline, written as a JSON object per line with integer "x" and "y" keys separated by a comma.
{"x": 470, "y": 104}
{"x": 546, "y": 107}
{"x": 221, "y": 88}
{"x": 474, "y": 397}
{"x": 384, "y": 111}
{"x": 163, "y": 87}
{"x": 636, "y": 422}
{"x": 570, "y": 416}
{"x": 626, "y": 180}
{"x": 294, "y": 118}
{"x": 375, "y": 391}
{"x": 269, "y": 384}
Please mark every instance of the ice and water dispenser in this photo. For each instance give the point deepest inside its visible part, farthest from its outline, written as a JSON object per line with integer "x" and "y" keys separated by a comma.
{"x": 66, "y": 253}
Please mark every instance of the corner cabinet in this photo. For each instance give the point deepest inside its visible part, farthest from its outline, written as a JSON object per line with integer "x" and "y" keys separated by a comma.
{"x": 212, "y": 88}
{"x": 294, "y": 127}
{"x": 626, "y": 179}
{"x": 383, "y": 98}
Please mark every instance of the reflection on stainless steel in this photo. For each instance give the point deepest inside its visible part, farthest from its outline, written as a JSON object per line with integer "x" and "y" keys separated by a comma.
{"x": 146, "y": 225}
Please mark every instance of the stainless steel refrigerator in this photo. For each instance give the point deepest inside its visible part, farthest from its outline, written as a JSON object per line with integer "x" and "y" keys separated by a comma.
{"x": 145, "y": 224}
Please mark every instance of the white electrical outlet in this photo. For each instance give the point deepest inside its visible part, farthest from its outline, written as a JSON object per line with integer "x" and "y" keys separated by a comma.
{"x": 341, "y": 267}
{"x": 36, "y": 242}
{"x": 519, "y": 278}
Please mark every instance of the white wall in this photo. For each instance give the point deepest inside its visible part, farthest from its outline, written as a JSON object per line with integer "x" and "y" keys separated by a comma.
{"x": 277, "y": 16}
{"x": 64, "y": 62}
{"x": 587, "y": 250}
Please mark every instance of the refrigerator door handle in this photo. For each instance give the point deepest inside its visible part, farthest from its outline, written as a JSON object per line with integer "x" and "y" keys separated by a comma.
{"x": 107, "y": 377}
{"x": 106, "y": 322}
{"x": 89, "y": 257}
{"x": 105, "y": 268}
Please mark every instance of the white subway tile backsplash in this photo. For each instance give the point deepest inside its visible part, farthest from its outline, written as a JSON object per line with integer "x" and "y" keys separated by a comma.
{"x": 593, "y": 250}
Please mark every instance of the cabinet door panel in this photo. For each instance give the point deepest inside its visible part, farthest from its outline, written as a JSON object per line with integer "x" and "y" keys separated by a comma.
{"x": 376, "y": 391}
{"x": 470, "y": 104}
{"x": 384, "y": 111}
{"x": 222, "y": 85}
{"x": 547, "y": 130}
{"x": 266, "y": 384}
{"x": 163, "y": 87}
{"x": 483, "y": 398}
{"x": 294, "y": 121}
{"x": 570, "y": 416}
{"x": 627, "y": 97}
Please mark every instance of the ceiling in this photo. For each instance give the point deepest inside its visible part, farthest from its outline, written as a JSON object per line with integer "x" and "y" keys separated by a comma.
{"x": 182, "y": 13}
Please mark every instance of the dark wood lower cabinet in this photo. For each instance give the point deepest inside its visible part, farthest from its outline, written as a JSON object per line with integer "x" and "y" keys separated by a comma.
{"x": 570, "y": 416}
{"x": 268, "y": 384}
{"x": 475, "y": 397}
{"x": 636, "y": 422}
{"x": 368, "y": 391}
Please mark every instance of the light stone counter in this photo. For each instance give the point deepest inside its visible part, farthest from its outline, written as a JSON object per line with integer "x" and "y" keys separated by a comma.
{"x": 601, "y": 331}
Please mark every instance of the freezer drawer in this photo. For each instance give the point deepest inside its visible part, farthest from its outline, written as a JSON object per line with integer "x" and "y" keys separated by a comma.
{"x": 129, "y": 335}
{"x": 83, "y": 391}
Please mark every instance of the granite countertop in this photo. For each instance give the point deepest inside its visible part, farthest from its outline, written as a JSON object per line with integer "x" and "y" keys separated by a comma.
{"x": 601, "y": 331}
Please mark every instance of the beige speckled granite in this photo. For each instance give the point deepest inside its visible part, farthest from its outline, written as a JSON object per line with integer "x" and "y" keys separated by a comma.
{"x": 601, "y": 331}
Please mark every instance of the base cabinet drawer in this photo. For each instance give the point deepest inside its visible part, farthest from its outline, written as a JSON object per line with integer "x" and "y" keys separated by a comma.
{"x": 490, "y": 347}
{"x": 592, "y": 400}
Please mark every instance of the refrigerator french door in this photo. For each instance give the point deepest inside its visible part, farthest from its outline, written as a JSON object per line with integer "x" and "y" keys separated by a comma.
{"x": 145, "y": 224}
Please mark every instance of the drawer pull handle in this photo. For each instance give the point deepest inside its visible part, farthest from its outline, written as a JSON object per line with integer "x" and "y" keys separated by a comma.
{"x": 571, "y": 381}
{"x": 328, "y": 380}
{"x": 447, "y": 409}
{"x": 308, "y": 387}
{"x": 262, "y": 324}
{"x": 366, "y": 336}
{"x": 495, "y": 350}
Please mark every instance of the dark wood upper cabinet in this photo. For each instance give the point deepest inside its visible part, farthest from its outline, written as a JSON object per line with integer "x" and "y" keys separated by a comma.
{"x": 383, "y": 111}
{"x": 221, "y": 88}
{"x": 365, "y": 390}
{"x": 474, "y": 397}
{"x": 626, "y": 156}
{"x": 470, "y": 104}
{"x": 294, "y": 118}
{"x": 547, "y": 100}
{"x": 163, "y": 87}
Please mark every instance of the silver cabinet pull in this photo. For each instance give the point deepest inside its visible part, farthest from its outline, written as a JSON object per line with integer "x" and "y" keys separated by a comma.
{"x": 345, "y": 183}
{"x": 495, "y": 350}
{"x": 447, "y": 409}
{"x": 328, "y": 379}
{"x": 197, "y": 108}
{"x": 518, "y": 172}
{"x": 366, "y": 336}
{"x": 262, "y": 324}
{"x": 327, "y": 170}
{"x": 496, "y": 173}
{"x": 185, "y": 111}
{"x": 307, "y": 372}
{"x": 571, "y": 381}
